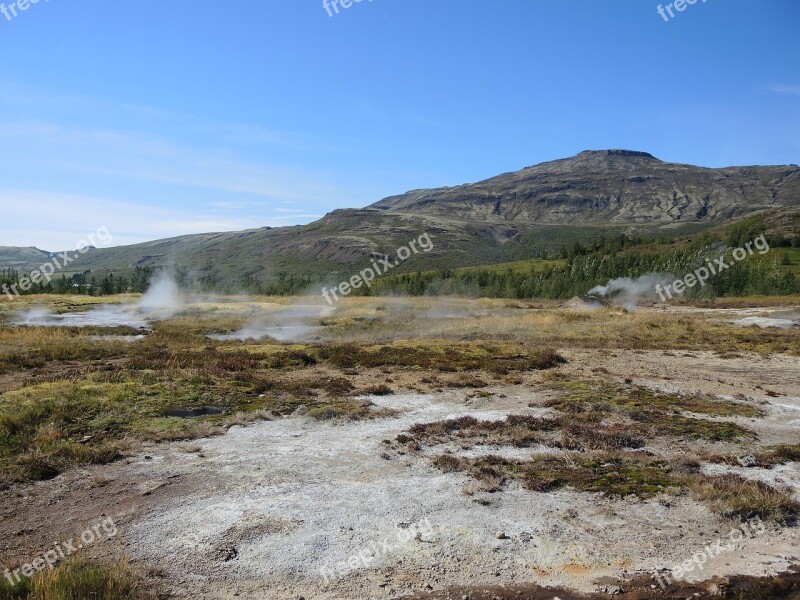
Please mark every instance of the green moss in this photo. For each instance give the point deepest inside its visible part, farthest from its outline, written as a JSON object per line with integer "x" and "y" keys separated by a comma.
{"x": 450, "y": 357}
{"x": 637, "y": 398}
{"x": 515, "y": 430}
{"x": 607, "y": 474}
{"x": 662, "y": 413}
{"x": 701, "y": 429}
{"x": 341, "y": 409}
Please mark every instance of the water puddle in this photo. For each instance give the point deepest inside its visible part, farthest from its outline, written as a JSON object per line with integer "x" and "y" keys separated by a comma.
{"x": 765, "y": 322}
{"x": 293, "y": 323}
{"x": 103, "y": 316}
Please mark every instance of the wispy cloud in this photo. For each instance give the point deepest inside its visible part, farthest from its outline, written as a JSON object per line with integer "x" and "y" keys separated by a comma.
{"x": 153, "y": 172}
{"x": 793, "y": 90}
{"x": 63, "y": 176}
{"x": 139, "y": 156}
{"x": 57, "y": 221}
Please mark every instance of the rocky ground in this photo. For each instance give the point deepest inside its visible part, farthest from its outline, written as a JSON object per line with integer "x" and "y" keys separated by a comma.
{"x": 293, "y": 507}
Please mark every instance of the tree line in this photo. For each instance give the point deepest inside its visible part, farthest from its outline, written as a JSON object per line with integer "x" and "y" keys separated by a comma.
{"x": 588, "y": 266}
{"x": 140, "y": 279}
{"x": 581, "y": 267}
{"x": 84, "y": 284}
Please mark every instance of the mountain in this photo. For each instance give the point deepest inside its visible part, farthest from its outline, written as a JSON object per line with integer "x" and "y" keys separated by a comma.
{"x": 613, "y": 187}
{"x": 509, "y": 217}
{"x": 21, "y": 258}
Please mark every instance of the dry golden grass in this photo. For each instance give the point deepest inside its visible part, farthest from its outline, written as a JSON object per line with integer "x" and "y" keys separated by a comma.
{"x": 80, "y": 580}
{"x": 459, "y": 319}
{"x": 110, "y": 390}
{"x": 737, "y": 498}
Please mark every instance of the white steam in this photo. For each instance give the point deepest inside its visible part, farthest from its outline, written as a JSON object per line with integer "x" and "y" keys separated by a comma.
{"x": 291, "y": 323}
{"x": 162, "y": 296}
{"x": 162, "y": 300}
{"x": 629, "y": 292}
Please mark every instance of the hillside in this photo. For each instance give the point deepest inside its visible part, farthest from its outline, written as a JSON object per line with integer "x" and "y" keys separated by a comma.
{"x": 773, "y": 271}
{"x": 609, "y": 187}
{"x": 21, "y": 258}
{"x": 513, "y": 216}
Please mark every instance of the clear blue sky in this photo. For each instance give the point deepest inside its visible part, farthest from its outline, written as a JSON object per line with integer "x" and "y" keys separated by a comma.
{"x": 163, "y": 118}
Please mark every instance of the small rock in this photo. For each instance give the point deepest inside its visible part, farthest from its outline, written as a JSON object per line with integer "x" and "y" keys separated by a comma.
{"x": 747, "y": 461}
{"x": 227, "y": 553}
{"x": 613, "y": 590}
{"x": 501, "y": 535}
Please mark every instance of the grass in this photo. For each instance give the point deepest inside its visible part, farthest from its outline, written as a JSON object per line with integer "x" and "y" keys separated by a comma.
{"x": 29, "y": 348}
{"x": 778, "y": 455}
{"x": 585, "y": 395}
{"x": 78, "y": 580}
{"x": 526, "y": 431}
{"x": 738, "y": 498}
{"x": 541, "y": 324}
{"x": 664, "y": 414}
{"x": 46, "y": 428}
{"x": 596, "y": 463}
{"x": 71, "y": 399}
{"x": 442, "y": 356}
{"x": 348, "y": 410}
{"x": 764, "y": 458}
{"x": 602, "y": 432}
{"x": 610, "y": 474}
{"x": 519, "y": 431}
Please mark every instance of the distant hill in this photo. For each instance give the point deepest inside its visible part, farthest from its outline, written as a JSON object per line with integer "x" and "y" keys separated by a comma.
{"x": 512, "y": 216}
{"x": 22, "y": 259}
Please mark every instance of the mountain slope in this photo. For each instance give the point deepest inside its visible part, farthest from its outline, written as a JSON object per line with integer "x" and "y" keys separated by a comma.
{"x": 21, "y": 258}
{"x": 509, "y": 217}
{"x": 609, "y": 187}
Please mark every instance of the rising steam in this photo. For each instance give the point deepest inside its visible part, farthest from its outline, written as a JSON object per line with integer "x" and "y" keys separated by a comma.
{"x": 629, "y": 292}
{"x": 162, "y": 297}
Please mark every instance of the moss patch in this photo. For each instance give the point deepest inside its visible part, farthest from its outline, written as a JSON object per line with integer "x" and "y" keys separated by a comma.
{"x": 607, "y": 474}
{"x": 664, "y": 414}
{"x": 446, "y": 357}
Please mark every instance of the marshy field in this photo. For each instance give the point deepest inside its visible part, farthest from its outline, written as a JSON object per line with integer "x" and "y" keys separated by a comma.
{"x": 393, "y": 447}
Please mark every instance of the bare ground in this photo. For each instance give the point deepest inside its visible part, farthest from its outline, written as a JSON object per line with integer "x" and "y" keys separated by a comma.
{"x": 259, "y": 512}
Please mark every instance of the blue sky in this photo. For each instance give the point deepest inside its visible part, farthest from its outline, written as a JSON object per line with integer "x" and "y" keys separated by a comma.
{"x": 164, "y": 118}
